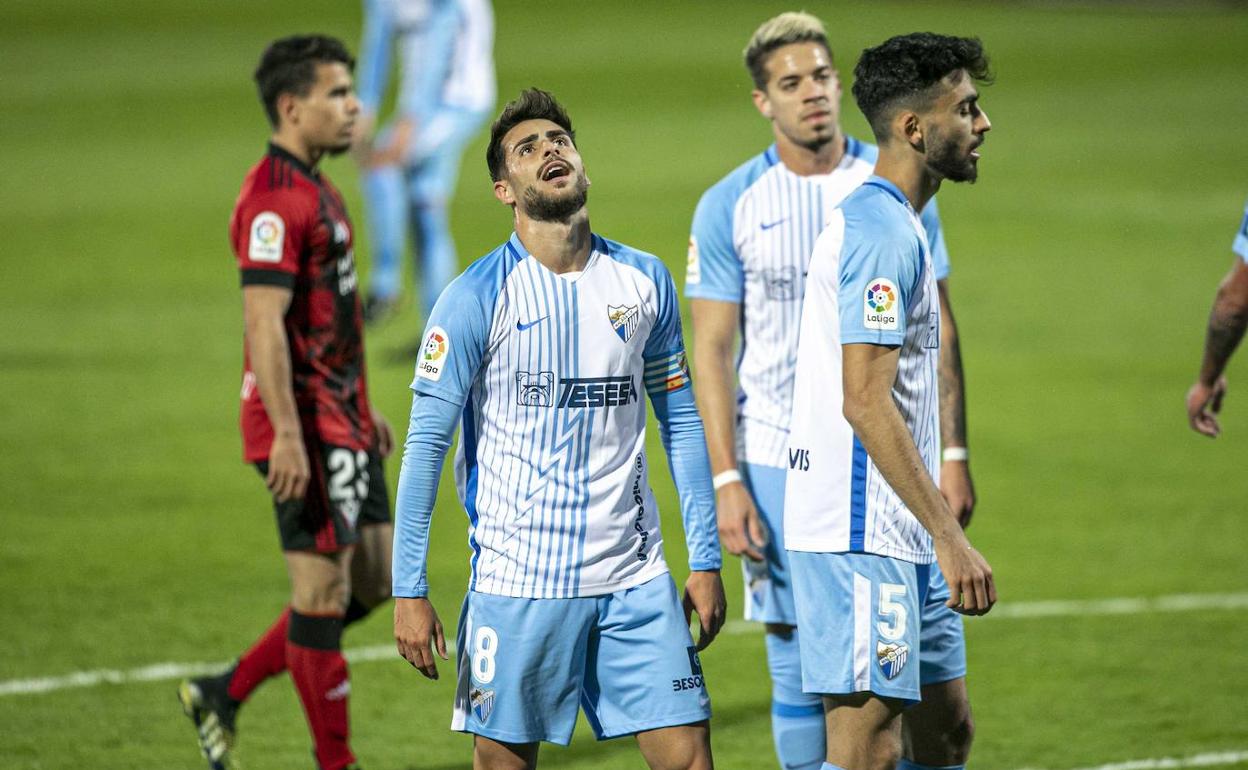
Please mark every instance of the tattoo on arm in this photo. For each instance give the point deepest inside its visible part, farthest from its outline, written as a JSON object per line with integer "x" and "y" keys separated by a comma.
{"x": 1226, "y": 329}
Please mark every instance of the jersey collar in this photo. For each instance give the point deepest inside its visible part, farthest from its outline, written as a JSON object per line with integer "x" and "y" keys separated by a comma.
{"x": 598, "y": 245}
{"x": 281, "y": 152}
{"x": 890, "y": 188}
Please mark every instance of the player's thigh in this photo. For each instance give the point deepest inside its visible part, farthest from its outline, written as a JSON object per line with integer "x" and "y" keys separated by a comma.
{"x": 864, "y": 730}
{"x": 942, "y": 643}
{"x": 326, "y": 518}
{"x": 683, "y": 747}
{"x": 768, "y": 584}
{"x": 489, "y": 754}
{"x": 520, "y": 665}
{"x": 643, "y": 671}
{"x": 370, "y": 567}
{"x": 859, "y": 616}
{"x": 938, "y": 730}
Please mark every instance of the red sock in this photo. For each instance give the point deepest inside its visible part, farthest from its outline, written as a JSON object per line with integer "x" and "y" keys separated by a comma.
{"x": 314, "y": 657}
{"x": 266, "y": 658}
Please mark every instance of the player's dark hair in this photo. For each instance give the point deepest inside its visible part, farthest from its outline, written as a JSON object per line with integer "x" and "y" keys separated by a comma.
{"x": 288, "y": 66}
{"x": 531, "y": 104}
{"x": 903, "y": 70}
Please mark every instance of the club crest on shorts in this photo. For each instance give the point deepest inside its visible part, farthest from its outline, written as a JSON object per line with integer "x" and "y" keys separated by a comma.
{"x": 482, "y": 701}
{"x": 892, "y": 657}
{"x": 624, "y": 319}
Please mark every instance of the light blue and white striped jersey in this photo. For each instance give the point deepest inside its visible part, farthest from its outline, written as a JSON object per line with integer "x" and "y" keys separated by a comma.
{"x": 871, "y": 281}
{"x": 551, "y": 463}
{"x": 1240, "y": 246}
{"x": 446, "y": 54}
{"x": 751, "y": 242}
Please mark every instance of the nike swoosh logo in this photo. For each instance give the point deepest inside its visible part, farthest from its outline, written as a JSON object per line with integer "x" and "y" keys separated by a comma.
{"x": 769, "y": 225}
{"x": 522, "y": 326}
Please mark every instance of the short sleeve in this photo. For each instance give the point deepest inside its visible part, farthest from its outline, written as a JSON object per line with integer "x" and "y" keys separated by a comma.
{"x": 666, "y": 367}
{"x": 269, "y": 235}
{"x": 714, "y": 268}
{"x": 1240, "y": 246}
{"x": 878, "y": 277}
{"x": 454, "y": 343}
{"x": 935, "y": 240}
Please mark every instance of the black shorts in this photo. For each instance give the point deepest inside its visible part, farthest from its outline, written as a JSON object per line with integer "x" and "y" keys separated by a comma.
{"x": 347, "y": 490}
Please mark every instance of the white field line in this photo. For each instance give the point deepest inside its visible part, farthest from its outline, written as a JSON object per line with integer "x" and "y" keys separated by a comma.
{"x": 1042, "y": 609}
{"x": 1217, "y": 759}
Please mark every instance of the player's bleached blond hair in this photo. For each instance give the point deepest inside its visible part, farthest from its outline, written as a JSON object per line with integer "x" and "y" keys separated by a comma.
{"x": 785, "y": 29}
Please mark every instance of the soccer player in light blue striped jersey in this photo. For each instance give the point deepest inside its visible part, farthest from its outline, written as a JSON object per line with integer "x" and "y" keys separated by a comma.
{"x": 543, "y": 352}
{"x": 748, "y": 254}
{"x": 1227, "y": 321}
{"x": 446, "y": 90}
{"x": 864, "y": 518}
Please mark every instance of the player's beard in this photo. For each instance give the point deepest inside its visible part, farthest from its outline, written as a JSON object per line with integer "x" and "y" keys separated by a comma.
{"x": 337, "y": 149}
{"x": 948, "y": 159}
{"x": 542, "y": 207}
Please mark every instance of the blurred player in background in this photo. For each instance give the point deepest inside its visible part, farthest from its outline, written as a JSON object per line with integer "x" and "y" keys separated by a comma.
{"x": 864, "y": 517}
{"x": 306, "y": 419}
{"x": 752, "y": 238}
{"x": 1227, "y": 321}
{"x": 541, "y": 351}
{"x": 446, "y": 90}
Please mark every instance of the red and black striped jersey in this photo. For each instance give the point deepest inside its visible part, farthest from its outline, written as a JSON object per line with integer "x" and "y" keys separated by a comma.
{"x": 290, "y": 228}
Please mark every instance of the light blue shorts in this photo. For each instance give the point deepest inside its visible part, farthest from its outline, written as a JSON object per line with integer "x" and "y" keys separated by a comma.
{"x": 769, "y": 587}
{"x": 861, "y": 617}
{"x": 626, "y": 657}
{"x": 768, "y": 590}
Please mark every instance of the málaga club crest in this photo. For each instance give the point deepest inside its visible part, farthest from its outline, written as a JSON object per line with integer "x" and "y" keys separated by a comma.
{"x": 624, "y": 319}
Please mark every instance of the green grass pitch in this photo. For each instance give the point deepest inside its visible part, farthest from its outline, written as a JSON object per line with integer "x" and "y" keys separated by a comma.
{"x": 1083, "y": 266}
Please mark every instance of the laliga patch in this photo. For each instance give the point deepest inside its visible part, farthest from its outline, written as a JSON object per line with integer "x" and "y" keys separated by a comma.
{"x": 433, "y": 354}
{"x": 693, "y": 268}
{"x": 268, "y": 231}
{"x": 892, "y": 657}
{"x": 882, "y": 305}
{"x": 482, "y": 700}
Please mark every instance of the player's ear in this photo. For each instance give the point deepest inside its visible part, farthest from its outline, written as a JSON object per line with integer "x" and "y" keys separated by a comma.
{"x": 503, "y": 193}
{"x": 762, "y": 102}
{"x": 288, "y": 109}
{"x": 908, "y": 126}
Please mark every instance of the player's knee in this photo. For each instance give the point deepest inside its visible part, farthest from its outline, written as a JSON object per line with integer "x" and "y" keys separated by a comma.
{"x": 958, "y": 739}
{"x": 886, "y": 753}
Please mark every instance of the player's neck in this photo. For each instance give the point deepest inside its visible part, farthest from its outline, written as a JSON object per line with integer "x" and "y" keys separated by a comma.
{"x": 561, "y": 247}
{"x": 809, "y": 161}
{"x": 906, "y": 169}
{"x": 291, "y": 144}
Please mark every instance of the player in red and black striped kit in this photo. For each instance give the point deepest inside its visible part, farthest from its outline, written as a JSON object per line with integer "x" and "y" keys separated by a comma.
{"x": 306, "y": 420}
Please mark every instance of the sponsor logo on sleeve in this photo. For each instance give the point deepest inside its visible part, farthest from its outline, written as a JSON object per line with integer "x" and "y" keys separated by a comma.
{"x": 693, "y": 268}
{"x": 268, "y": 232}
{"x": 433, "y": 354}
{"x": 882, "y": 305}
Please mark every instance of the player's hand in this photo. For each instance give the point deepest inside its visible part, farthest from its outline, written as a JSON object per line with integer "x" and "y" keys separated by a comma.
{"x": 1203, "y": 404}
{"x": 704, "y": 594}
{"x": 958, "y": 490}
{"x": 395, "y": 151}
{"x": 418, "y": 632}
{"x": 385, "y": 435}
{"x": 289, "y": 470}
{"x": 971, "y": 588}
{"x": 741, "y": 529}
